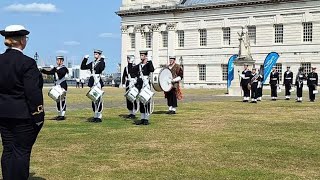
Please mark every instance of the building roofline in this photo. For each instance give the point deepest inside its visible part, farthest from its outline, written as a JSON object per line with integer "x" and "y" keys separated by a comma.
{"x": 181, "y": 7}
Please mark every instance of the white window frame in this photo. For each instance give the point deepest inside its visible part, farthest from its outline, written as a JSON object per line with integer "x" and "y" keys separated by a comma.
{"x": 148, "y": 38}
{"x": 226, "y": 36}
{"x": 279, "y": 70}
{"x": 180, "y": 38}
{"x": 202, "y": 72}
{"x": 132, "y": 40}
{"x": 306, "y": 66}
{"x": 252, "y": 33}
{"x": 165, "y": 39}
{"x": 203, "y": 37}
{"x": 307, "y": 30}
{"x": 224, "y": 69}
{"x": 278, "y": 33}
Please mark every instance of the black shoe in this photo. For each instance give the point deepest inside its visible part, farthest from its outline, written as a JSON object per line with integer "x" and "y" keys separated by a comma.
{"x": 97, "y": 120}
{"x": 311, "y": 100}
{"x": 253, "y": 102}
{"x": 132, "y": 116}
{"x": 173, "y": 112}
{"x": 146, "y": 122}
{"x": 60, "y": 118}
{"x": 287, "y": 99}
{"x": 245, "y": 101}
{"x": 169, "y": 112}
{"x": 139, "y": 122}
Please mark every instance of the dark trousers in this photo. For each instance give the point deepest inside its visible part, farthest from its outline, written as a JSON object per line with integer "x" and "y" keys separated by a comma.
{"x": 260, "y": 91}
{"x": 288, "y": 87}
{"x": 18, "y": 137}
{"x": 145, "y": 108}
{"x": 63, "y": 105}
{"x": 254, "y": 90}
{"x": 299, "y": 90}
{"x": 81, "y": 85}
{"x": 78, "y": 85}
{"x": 172, "y": 98}
{"x": 312, "y": 96}
{"x": 131, "y": 106}
{"x": 274, "y": 90}
{"x": 99, "y": 105}
{"x": 246, "y": 91}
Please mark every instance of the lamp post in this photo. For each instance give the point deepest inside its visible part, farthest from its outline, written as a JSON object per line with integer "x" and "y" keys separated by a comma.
{"x": 36, "y": 56}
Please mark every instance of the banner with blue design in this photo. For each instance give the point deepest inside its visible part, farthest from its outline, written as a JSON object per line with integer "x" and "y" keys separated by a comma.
{"x": 231, "y": 69}
{"x": 269, "y": 62}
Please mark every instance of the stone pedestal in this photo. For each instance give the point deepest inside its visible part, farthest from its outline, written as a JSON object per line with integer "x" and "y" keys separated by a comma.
{"x": 235, "y": 88}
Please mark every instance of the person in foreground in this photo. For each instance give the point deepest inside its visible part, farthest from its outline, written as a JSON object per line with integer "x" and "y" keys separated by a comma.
{"x": 21, "y": 104}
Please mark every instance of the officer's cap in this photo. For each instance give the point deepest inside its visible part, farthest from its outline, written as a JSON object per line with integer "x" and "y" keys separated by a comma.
{"x": 144, "y": 52}
{"x": 60, "y": 57}
{"x": 172, "y": 57}
{"x": 288, "y": 66}
{"x": 314, "y": 67}
{"x": 98, "y": 51}
{"x": 14, "y": 30}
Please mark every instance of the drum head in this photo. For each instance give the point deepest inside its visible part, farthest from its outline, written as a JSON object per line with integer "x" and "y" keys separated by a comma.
{"x": 165, "y": 78}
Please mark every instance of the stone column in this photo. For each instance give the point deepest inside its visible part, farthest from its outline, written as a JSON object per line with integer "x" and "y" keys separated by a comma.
{"x": 137, "y": 30}
{"x": 124, "y": 47}
{"x": 171, "y": 27}
{"x": 155, "y": 44}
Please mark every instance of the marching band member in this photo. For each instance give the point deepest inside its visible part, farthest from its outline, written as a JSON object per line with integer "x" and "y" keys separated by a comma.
{"x": 255, "y": 78}
{"x": 177, "y": 75}
{"x": 287, "y": 82}
{"x": 260, "y": 86}
{"x": 312, "y": 83}
{"x": 143, "y": 69}
{"x": 21, "y": 104}
{"x": 245, "y": 80}
{"x": 96, "y": 67}
{"x": 128, "y": 80}
{"x": 274, "y": 83}
{"x": 59, "y": 73}
{"x": 299, "y": 83}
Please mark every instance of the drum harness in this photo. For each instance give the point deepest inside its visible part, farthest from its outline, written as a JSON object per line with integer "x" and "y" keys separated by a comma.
{"x": 96, "y": 81}
{"x": 145, "y": 84}
{"x": 57, "y": 83}
{"x": 130, "y": 85}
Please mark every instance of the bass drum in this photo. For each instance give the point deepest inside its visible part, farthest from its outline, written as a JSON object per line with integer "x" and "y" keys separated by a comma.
{"x": 161, "y": 80}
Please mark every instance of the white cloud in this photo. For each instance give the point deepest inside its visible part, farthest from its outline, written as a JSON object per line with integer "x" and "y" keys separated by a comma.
{"x": 71, "y": 43}
{"x": 32, "y": 8}
{"x": 108, "y": 35}
{"x": 62, "y": 52}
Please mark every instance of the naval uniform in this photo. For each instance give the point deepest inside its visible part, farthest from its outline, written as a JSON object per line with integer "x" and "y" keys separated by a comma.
{"x": 299, "y": 84}
{"x": 287, "y": 82}
{"x": 21, "y": 111}
{"x": 260, "y": 87}
{"x": 177, "y": 75}
{"x": 255, "y": 79}
{"x": 274, "y": 83}
{"x": 59, "y": 77}
{"x": 143, "y": 71}
{"x": 128, "y": 79}
{"x": 312, "y": 83}
{"x": 245, "y": 80}
{"x": 96, "y": 68}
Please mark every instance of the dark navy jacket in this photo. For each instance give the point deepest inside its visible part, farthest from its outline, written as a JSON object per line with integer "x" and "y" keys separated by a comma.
{"x": 147, "y": 69}
{"x": 20, "y": 87}
{"x": 61, "y": 72}
{"x": 99, "y": 68}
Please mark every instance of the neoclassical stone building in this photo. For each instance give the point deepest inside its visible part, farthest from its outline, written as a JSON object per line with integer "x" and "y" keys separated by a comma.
{"x": 203, "y": 34}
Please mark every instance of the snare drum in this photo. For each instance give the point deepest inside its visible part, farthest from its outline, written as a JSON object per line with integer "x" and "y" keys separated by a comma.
{"x": 95, "y": 93}
{"x": 57, "y": 93}
{"x": 145, "y": 95}
{"x": 132, "y": 94}
{"x": 161, "y": 80}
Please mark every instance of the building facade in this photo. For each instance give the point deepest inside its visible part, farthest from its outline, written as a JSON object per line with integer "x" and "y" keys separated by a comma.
{"x": 203, "y": 34}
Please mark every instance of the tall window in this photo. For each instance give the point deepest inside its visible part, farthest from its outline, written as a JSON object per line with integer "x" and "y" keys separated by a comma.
{"x": 132, "y": 40}
{"x": 203, "y": 37}
{"x": 180, "y": 38}
{"x": 307, "y": 31}
{"x": 164, "y": 38}
{"x": 279, "y": 70}
{"x": 278, "y": 33}
{"x": 202, "y": 72}
{"x": 224, "y": 68}
{"x": 307, "y": 67}
{"x": 226, "y": 36}
{"x": 148, "y": 40}
{"x": 252, "y": 34}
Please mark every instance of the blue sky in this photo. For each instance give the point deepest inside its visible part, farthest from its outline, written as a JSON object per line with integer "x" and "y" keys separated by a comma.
{"x": 71, "y": 28}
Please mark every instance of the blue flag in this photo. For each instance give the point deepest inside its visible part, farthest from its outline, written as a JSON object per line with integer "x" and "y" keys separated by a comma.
{"x": 269, "y": 62}
{"x": 231, "y": 69}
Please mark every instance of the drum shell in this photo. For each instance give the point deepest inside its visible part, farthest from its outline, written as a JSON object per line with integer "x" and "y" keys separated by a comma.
{"x": 145, "y": 95}
{"x": 161, "y": 80}
{"x": 56, "y": 93}
{"x": 132, "y": 94}
{"x": 95, "y": 93}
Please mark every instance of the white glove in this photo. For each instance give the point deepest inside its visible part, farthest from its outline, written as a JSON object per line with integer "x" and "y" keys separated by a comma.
{"x": 124, "y": 86}
{"x": 102, "y": 56}
{"x": 133, "y": 81}
{"x": 177, "y": 79}
{"x": 86, "y": 56}
{"x": 131, "y": 60}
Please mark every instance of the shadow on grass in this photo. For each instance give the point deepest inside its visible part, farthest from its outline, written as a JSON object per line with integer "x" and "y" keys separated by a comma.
{"x": 160, "y": 112}
{"x": 33, "y": 177}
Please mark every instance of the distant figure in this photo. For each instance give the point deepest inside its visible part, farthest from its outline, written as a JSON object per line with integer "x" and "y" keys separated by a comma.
{"x": 78, "y": 83}
{"x": 113, "y": 83}
{"x": 82, "y": 83}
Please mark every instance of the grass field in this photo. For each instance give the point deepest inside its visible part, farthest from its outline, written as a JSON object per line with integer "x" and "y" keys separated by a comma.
{"x": 211, "y": 137}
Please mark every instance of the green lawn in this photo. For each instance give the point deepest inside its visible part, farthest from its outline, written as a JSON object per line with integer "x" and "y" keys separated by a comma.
{"x": 214, "y": 138}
